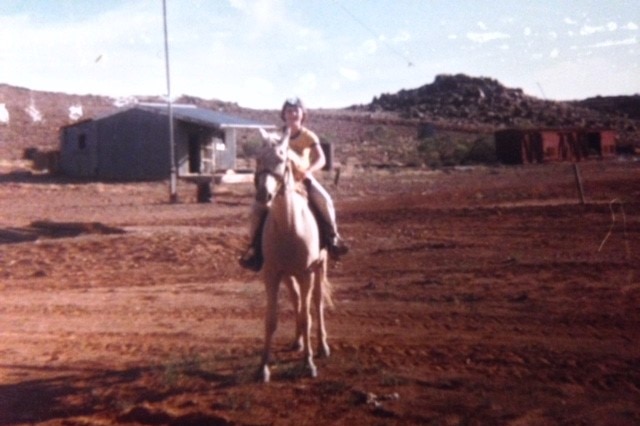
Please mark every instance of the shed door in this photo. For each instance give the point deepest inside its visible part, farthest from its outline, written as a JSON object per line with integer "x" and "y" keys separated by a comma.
{"x": 595, "y": 143}
{"x": 80, "y": 152}
{"x": 195, "y": 153}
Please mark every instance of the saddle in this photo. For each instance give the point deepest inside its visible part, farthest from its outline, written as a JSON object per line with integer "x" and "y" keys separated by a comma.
{"x": 324, "y": 228}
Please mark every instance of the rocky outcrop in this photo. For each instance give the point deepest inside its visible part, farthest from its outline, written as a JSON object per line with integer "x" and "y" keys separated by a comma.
{"x": 479, "y": 102}
{"x": 615, "y": 105}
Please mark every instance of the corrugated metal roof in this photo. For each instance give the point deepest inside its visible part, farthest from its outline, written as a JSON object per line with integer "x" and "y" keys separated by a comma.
{"x": 205, "y": 116}
{"x": 191, "y": 114}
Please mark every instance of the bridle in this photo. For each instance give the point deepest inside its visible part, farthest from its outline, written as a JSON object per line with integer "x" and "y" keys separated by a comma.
{"x": 281, "y": 178}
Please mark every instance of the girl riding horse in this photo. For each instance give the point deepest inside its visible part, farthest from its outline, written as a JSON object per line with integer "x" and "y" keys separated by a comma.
{"x": 310, "y": 158}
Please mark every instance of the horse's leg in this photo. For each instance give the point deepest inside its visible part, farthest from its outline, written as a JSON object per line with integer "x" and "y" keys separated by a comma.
{"x": 272, "y": 282}
{"x": 318, "y": 298}
{"x": 306, "y": 283}
{"x": 294, "y": 295}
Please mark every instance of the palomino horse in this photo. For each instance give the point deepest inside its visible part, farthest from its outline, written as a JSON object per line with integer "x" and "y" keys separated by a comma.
{"x": 291, "y": 250}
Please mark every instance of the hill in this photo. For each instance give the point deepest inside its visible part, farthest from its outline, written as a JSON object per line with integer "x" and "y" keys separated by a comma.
{"x": 383, "y": 131}
{"x": 482, "y": 103}
{"x": 616, "y": 105}
{"x": 32, "y": 119}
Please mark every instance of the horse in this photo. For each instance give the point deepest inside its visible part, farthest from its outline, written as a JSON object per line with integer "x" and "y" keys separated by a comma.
{"x": 292, "y": 252}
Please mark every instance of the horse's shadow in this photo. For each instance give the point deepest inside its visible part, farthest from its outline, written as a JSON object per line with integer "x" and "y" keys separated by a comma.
{"x": 47, "y": 229}
{"x": 68, "y": 393}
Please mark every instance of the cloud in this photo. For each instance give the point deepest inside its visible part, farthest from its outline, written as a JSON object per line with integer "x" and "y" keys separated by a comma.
{"x": 306, "y": 83}
{"x": 45, "y": 55}
{"x": 264, "y": 19}
{"x": 402, "y": 36}
{"x": 486, "y": 37}
{"x": 586, "y": 78}
{"x": 370, "y": 46}
{"x": 588, "y": 29}
{"x": 260, "y": 85}
{"x": 256, "y": 52}
{"x": 265, "y": 12}
{"x": 610, "y": 43}
{"x": 349, "y": 74}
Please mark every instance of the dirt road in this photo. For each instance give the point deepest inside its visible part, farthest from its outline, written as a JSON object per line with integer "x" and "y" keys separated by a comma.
{"x": 471, "y": 297}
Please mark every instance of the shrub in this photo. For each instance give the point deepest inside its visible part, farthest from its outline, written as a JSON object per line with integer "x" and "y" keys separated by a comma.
{"x": 250, "y": 148}
{"x": 482, "y": 151}
{"x": 446, "y": 150}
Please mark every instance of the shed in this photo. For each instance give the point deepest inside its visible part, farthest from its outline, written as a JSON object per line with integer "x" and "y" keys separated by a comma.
{"x": 521, "y": 146}
{"x": 133, "y": 144}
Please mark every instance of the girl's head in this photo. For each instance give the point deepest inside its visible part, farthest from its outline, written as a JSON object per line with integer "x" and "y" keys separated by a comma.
{"x": 292, "y": 109}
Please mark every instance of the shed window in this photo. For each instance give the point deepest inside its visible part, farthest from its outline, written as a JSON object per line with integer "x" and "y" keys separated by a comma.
{"x": 219, "y": 144}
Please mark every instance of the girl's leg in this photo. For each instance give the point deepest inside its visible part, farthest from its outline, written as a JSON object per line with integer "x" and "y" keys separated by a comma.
{"x": 321, "y": 200}
{"x": 252, "y": 258}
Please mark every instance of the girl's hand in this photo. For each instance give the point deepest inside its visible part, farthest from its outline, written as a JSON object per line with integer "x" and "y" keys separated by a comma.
{"x": 299, "y": 174}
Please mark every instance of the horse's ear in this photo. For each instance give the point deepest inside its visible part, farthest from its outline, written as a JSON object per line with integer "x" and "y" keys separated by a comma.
{"x": 284, "y": 142}
{"x": 266, "y": 136}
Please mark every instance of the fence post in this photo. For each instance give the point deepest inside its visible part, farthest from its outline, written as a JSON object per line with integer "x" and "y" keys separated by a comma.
{"x": 576, "y": 172}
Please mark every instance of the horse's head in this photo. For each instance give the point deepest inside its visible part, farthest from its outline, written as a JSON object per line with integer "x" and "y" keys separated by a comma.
{"x": 271, "y": 165}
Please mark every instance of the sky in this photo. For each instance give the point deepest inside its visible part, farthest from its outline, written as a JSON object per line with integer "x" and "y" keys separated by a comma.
{"x": 331, "y": 53}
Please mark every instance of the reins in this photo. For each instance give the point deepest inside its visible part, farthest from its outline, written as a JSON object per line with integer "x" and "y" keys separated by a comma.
{"x": 281, "y": 179}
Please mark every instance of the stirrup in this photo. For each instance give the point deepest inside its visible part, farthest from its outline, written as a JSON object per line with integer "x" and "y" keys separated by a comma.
{"x": 251, "y": 261}
{"x": 337, "y": 248}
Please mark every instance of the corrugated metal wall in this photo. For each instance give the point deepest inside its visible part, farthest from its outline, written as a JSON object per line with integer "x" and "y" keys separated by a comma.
{"x": 521, "y": 146}
{"x": 133, "y": 145}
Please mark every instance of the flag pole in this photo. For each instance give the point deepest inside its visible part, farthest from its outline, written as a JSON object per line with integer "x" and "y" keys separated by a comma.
{"x": 173, "y": 180}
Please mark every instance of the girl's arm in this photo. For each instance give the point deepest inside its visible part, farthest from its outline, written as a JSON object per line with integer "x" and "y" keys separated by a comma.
{"x": 317, "y": 158}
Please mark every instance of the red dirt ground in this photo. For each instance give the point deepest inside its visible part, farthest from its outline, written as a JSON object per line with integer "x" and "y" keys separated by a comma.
{"x": 484, "y": 296}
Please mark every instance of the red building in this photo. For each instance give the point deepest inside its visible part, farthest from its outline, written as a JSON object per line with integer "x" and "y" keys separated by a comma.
{"x": 522, "y": 146}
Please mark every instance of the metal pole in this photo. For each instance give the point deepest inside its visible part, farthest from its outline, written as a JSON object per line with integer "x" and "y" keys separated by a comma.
{"x": 173, "y": 181}
{"x": 576, "y": 172}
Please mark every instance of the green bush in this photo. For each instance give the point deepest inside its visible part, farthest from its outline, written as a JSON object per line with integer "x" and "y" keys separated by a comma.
{"x": 482, "y": 151}
{"x": 446, "y": 150}
{"x": 250, "y": 148}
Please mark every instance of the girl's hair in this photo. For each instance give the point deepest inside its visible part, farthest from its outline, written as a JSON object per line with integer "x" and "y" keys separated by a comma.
{"x": 294, "y": 102}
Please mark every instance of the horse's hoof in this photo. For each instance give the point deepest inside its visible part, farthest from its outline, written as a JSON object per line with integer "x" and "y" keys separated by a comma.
{"x": 296, "y": 346}
{"x": 324, "y": 351}
{"x": 313, "y": 371}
